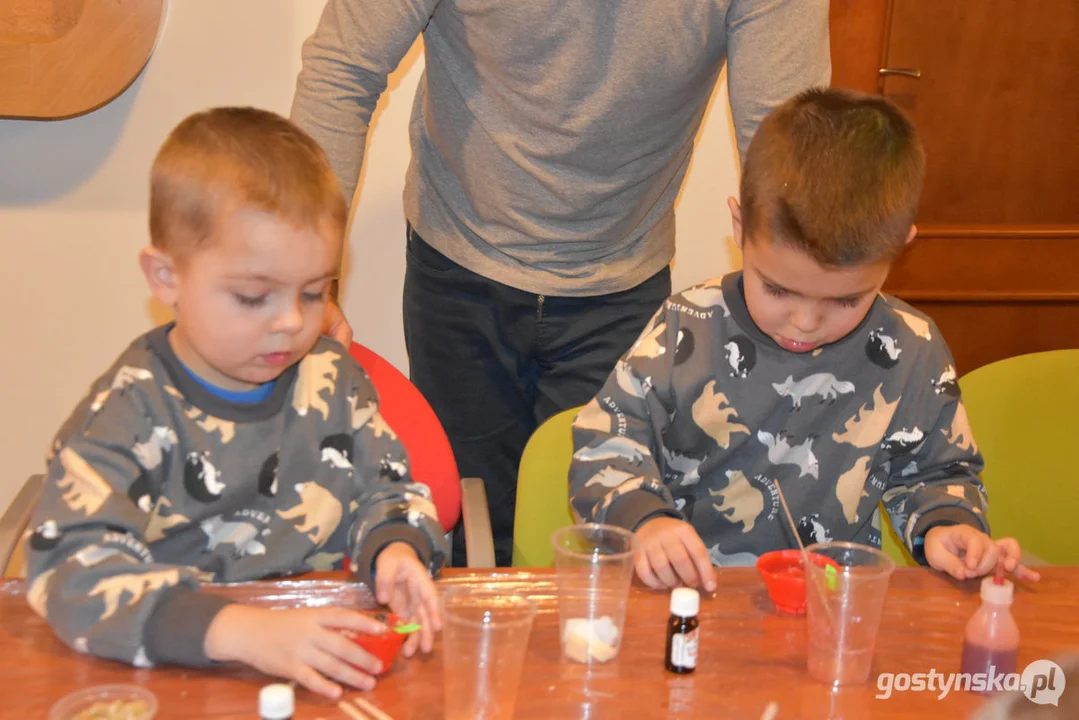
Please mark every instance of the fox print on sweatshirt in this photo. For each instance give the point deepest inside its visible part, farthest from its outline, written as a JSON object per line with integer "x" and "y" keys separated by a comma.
{"x": 706, "y": 430}
{"x": 156, "y": 485}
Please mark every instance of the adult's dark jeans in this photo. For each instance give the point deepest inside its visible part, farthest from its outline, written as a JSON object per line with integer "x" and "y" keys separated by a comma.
{"x": 495, "y": 362}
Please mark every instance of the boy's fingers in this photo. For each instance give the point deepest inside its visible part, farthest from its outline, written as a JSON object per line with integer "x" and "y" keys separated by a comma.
{"x": 341, "y": 647}
{"x": 1024, "y": 573}
{"x": 335, "y": 325}
{"x": 341, "y": 671}
{"x": 974, "y": 552}
{"x": 981, "y": 555}
{"x": 681, "y": 563}
{"x": 434, "y": 615}
{"x": 1009, "y": 553}
{"x": 409, "y": 648}
{"x": 644, "y": 571}
{"x": 349, "y": 620}
{"x": 945, "y": 560}
{"x": 987, "y": 565}
{"x": 661, "y": 566}
{"x": 427, "y": 631}
{"x": 699, "y": 553}
{"x": 342, "y": 333}
{"x": 310, "y": 679}
{"x": 956, "y": 568}
{"x": 426, "y": 600}
{"x": 384, "y": 582}
{"x": 679, "y": 552}
{"x": 419, "y": 614}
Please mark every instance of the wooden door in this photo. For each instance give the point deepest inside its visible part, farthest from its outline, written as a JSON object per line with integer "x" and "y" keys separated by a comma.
{"x": 996, "y": 101}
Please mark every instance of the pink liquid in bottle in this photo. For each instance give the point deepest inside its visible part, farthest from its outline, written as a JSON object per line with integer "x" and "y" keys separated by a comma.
{"x": 979, "y": 659}
{"x": 991, "y": 639}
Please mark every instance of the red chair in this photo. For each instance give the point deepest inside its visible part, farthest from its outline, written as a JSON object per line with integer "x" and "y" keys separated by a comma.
{"x": 431, "y": 460}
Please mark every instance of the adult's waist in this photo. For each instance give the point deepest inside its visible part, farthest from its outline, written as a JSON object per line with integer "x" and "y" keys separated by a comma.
{"x": 576, "y": 267}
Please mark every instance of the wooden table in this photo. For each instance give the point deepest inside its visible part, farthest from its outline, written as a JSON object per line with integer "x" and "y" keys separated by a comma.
{"x": 749, "y": 655}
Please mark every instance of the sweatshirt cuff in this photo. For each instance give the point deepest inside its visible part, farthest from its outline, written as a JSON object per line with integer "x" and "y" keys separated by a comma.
{"x": 952, "y": 515}
{"x": 175, "y": 632}
{"x": 363, "y": 565}
{"x": 632, "y": 509}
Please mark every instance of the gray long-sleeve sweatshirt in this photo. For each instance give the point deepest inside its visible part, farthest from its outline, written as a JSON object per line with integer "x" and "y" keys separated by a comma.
{"x": 156, "y": 484}
{"x": 705, "y": 416}
{"x": 550, "y": 138}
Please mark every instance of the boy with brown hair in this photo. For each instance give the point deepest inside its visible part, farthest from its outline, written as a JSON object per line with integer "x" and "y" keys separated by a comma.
{"x": 233, "y": 443}
{"x": 794, "y": 372}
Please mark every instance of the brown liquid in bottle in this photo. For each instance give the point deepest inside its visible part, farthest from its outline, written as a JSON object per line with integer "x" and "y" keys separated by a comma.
{"x": 682, "y": 631}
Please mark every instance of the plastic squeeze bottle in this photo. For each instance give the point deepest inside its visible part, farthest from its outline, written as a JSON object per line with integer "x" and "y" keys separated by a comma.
{"x": 991, "y": 641}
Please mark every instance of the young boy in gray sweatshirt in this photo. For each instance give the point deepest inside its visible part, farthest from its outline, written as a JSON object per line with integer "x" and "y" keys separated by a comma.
{"x": 234, "y": 443}
{"x": 795, "y": 372}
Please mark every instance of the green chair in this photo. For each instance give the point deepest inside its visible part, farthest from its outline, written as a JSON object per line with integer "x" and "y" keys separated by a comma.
{"x": 1022, "y": 414}
{"x": 543, "y": 491}
{"x": 891, "y": 544}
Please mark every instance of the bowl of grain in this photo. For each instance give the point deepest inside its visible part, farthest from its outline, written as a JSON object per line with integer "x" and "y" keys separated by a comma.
{"x": 106, "y": 702}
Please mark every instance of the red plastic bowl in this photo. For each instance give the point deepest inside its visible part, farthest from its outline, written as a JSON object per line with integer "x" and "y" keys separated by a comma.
{"x": 385, "y": 645}
{"x": 785, "y": 578}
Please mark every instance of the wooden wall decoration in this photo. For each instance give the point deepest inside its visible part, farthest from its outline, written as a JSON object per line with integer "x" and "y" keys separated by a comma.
{"x": 990, "y": 84}
{"x": 60, "y": 58}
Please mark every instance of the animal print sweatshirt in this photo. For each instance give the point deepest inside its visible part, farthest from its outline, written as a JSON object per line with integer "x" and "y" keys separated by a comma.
{"x": 705, "y": 416}
{"x": 155, "y": 485}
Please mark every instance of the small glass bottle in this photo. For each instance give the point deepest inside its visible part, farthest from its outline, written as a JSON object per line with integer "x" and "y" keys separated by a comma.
{"x": 277, "y": 702}
{"x": 991, "y": 640}
{"x": 682, "y": 631}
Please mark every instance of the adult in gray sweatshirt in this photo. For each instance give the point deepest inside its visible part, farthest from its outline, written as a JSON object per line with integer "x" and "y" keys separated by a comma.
{"x": 549, "y": 142}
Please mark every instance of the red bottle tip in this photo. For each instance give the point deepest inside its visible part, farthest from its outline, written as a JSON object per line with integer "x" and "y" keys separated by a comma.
{"x": 998, "y": 576}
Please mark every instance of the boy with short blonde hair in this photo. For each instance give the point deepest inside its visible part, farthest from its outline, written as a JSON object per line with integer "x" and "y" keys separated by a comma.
{"x": 795, "y": 372}
{"x": 234, "y": 443}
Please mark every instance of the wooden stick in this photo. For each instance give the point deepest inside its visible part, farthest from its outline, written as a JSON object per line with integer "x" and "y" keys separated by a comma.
{"x": 351, "y": 712}
{"x": 810, "y": 578}
{"x": 370, "y": 709}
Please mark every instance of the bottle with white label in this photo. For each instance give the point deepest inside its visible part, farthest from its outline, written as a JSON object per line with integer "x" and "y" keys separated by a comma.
{"x": 682, "y": 631}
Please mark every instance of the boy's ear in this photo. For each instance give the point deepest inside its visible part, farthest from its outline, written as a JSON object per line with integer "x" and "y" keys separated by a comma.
{"x": 736, "y": 220}
{"x": 160, "y": 271}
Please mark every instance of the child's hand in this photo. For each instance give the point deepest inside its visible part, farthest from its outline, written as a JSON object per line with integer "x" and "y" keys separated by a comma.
{"x": 671, "y": 554}
{"x": 1009, "y": 557}
{"x": 965, "y": 552}
{"x": 402, "y": 583}
{"x": 299, "y": 644}
{"x": 335, "y": 325}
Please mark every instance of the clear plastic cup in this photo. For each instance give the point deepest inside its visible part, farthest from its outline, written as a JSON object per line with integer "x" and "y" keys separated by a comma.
{"x": 595, "y": 567}
{"x": 845, "y": 594}
{"x": 484, "y": 641}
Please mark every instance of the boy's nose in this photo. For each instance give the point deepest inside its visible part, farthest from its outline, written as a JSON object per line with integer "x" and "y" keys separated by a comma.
{"x": 806, "y": 320}
{"x": 290, "y": 320}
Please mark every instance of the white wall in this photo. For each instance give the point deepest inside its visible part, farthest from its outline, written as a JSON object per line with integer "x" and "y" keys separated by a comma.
{"x": 73, "y": 197}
